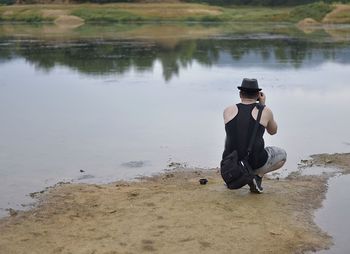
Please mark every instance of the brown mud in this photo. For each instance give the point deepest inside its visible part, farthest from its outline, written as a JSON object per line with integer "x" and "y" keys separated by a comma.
{"x": 173, "y": 213}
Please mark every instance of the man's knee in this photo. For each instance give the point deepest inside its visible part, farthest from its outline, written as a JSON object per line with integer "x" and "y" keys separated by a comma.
{"x": 279, "y": 164}
{"x": 282, "y": 158}
{"x": 283, "y": 155}
{"x": 279, "y": 153}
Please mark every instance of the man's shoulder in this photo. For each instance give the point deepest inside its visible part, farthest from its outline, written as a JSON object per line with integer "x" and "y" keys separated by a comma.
{"x": 230, "y": 108}
{"x": 230, "y": 112}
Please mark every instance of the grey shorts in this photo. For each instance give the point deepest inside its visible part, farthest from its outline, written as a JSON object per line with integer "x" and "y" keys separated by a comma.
{"x": 275, "y": 155}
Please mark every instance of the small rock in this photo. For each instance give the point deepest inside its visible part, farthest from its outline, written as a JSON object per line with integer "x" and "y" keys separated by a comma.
{"x": 82, "y": 171}
{"x": 133, "y": 194}
{"x": 12, "y": 212}
{"x": 36, "y": 193}
{"x": 122, "y": 185}
{"x": 62, "y": 183}
{"x": 174, "y": 164}
{"x": 169, "y": 175}
{"x": 203, "y": 181}
{"x": 274, "y": 233}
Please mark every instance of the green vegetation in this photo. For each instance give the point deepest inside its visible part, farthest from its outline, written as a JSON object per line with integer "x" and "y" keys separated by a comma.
{"x": 23, "y": 15}
{"x": 343, "y": 17}
{"x": 105, "y": 15}
{"x": 256, "y": 3}
{"x": 225, "y": 3}
{"x": 316, "y": 11}
{"x": 264, "y": 14}
{"x": 180, "y": 12}
{"x": 147, "y": 12}
{"x": 158, "y": 12}
{"x": 118, "y": 12}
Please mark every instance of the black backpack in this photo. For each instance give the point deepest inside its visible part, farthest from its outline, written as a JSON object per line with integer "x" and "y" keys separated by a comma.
{"x": 237, "y": 173}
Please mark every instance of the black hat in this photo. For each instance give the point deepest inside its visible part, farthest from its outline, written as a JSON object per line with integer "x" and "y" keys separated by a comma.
{"x": 249, "y": 85}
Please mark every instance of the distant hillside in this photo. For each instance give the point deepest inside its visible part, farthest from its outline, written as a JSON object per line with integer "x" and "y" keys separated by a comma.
{"x": 307, "y": 15}
{"x": 265, "y": 2}
{"x": 211, "y": 2}
{"x": 8, "y": 2}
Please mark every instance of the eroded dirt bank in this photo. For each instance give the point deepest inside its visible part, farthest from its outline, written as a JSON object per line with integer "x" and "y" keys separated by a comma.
{"x": 172, "y": 213}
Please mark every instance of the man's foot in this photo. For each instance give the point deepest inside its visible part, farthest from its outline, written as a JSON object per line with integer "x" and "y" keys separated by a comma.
{"x": 255, "y": 185}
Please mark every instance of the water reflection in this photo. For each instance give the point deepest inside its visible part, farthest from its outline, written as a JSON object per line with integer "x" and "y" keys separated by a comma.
{"x": 99, "y": 56}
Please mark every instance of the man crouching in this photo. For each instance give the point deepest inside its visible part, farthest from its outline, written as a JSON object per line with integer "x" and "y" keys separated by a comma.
{"x": 239, "y": 123}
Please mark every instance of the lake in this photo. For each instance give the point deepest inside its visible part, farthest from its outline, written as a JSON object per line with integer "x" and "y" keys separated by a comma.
{"x": 99, "y": 103}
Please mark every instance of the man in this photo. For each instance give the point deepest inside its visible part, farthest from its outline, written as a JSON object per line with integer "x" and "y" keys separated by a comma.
{"x": 239, "y": 123}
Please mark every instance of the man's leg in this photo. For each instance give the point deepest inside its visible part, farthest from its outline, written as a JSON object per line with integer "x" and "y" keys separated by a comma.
{"x": 276, "y": 159}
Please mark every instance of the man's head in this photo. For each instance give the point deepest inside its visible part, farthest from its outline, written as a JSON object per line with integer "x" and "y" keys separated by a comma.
{"x": 249, "y": 89}
{"x": 249, "y": 94}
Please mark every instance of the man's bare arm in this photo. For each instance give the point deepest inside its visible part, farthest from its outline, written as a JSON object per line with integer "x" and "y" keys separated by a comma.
{"x": 271, "y": 124}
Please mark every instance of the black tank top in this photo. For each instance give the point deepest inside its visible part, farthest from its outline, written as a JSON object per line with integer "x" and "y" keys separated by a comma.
{"x": 238, "y": 133}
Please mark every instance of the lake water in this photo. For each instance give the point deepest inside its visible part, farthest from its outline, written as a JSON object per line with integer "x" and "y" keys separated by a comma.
{"x": 333, "y": 217}
{"x": 117, "y": 101}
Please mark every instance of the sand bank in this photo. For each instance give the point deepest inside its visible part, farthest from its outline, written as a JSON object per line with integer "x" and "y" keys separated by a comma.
{"x": 172, "y": 213}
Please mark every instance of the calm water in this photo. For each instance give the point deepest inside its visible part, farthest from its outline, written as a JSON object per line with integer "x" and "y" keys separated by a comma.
{"x": 120, "y": 101}
{"x": 334, "y": 216}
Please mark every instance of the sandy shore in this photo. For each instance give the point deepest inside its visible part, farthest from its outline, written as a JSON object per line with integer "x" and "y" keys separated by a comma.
{"x": 172, "y": 213}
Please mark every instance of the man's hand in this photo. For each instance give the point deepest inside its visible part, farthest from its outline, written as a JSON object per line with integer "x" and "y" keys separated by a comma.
{"x": 262, "y": 98}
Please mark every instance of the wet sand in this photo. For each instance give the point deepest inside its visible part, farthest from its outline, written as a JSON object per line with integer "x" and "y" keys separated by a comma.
{"x": 173, "y": 213}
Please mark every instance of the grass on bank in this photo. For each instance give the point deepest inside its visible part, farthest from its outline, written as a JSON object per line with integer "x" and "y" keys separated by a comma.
{"x": 28, "y": 14}
{"x": 127, "y": 12}
{"x": 344, "y": 17}
{"x": 316, "y": 11}
{"x": 148, "y": 12}
{"x": 117, "y": 12}
{"x": 105, "y": 15}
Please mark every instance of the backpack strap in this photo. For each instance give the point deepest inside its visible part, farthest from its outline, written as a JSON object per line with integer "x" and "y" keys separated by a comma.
{"x": 255, "y": 130}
